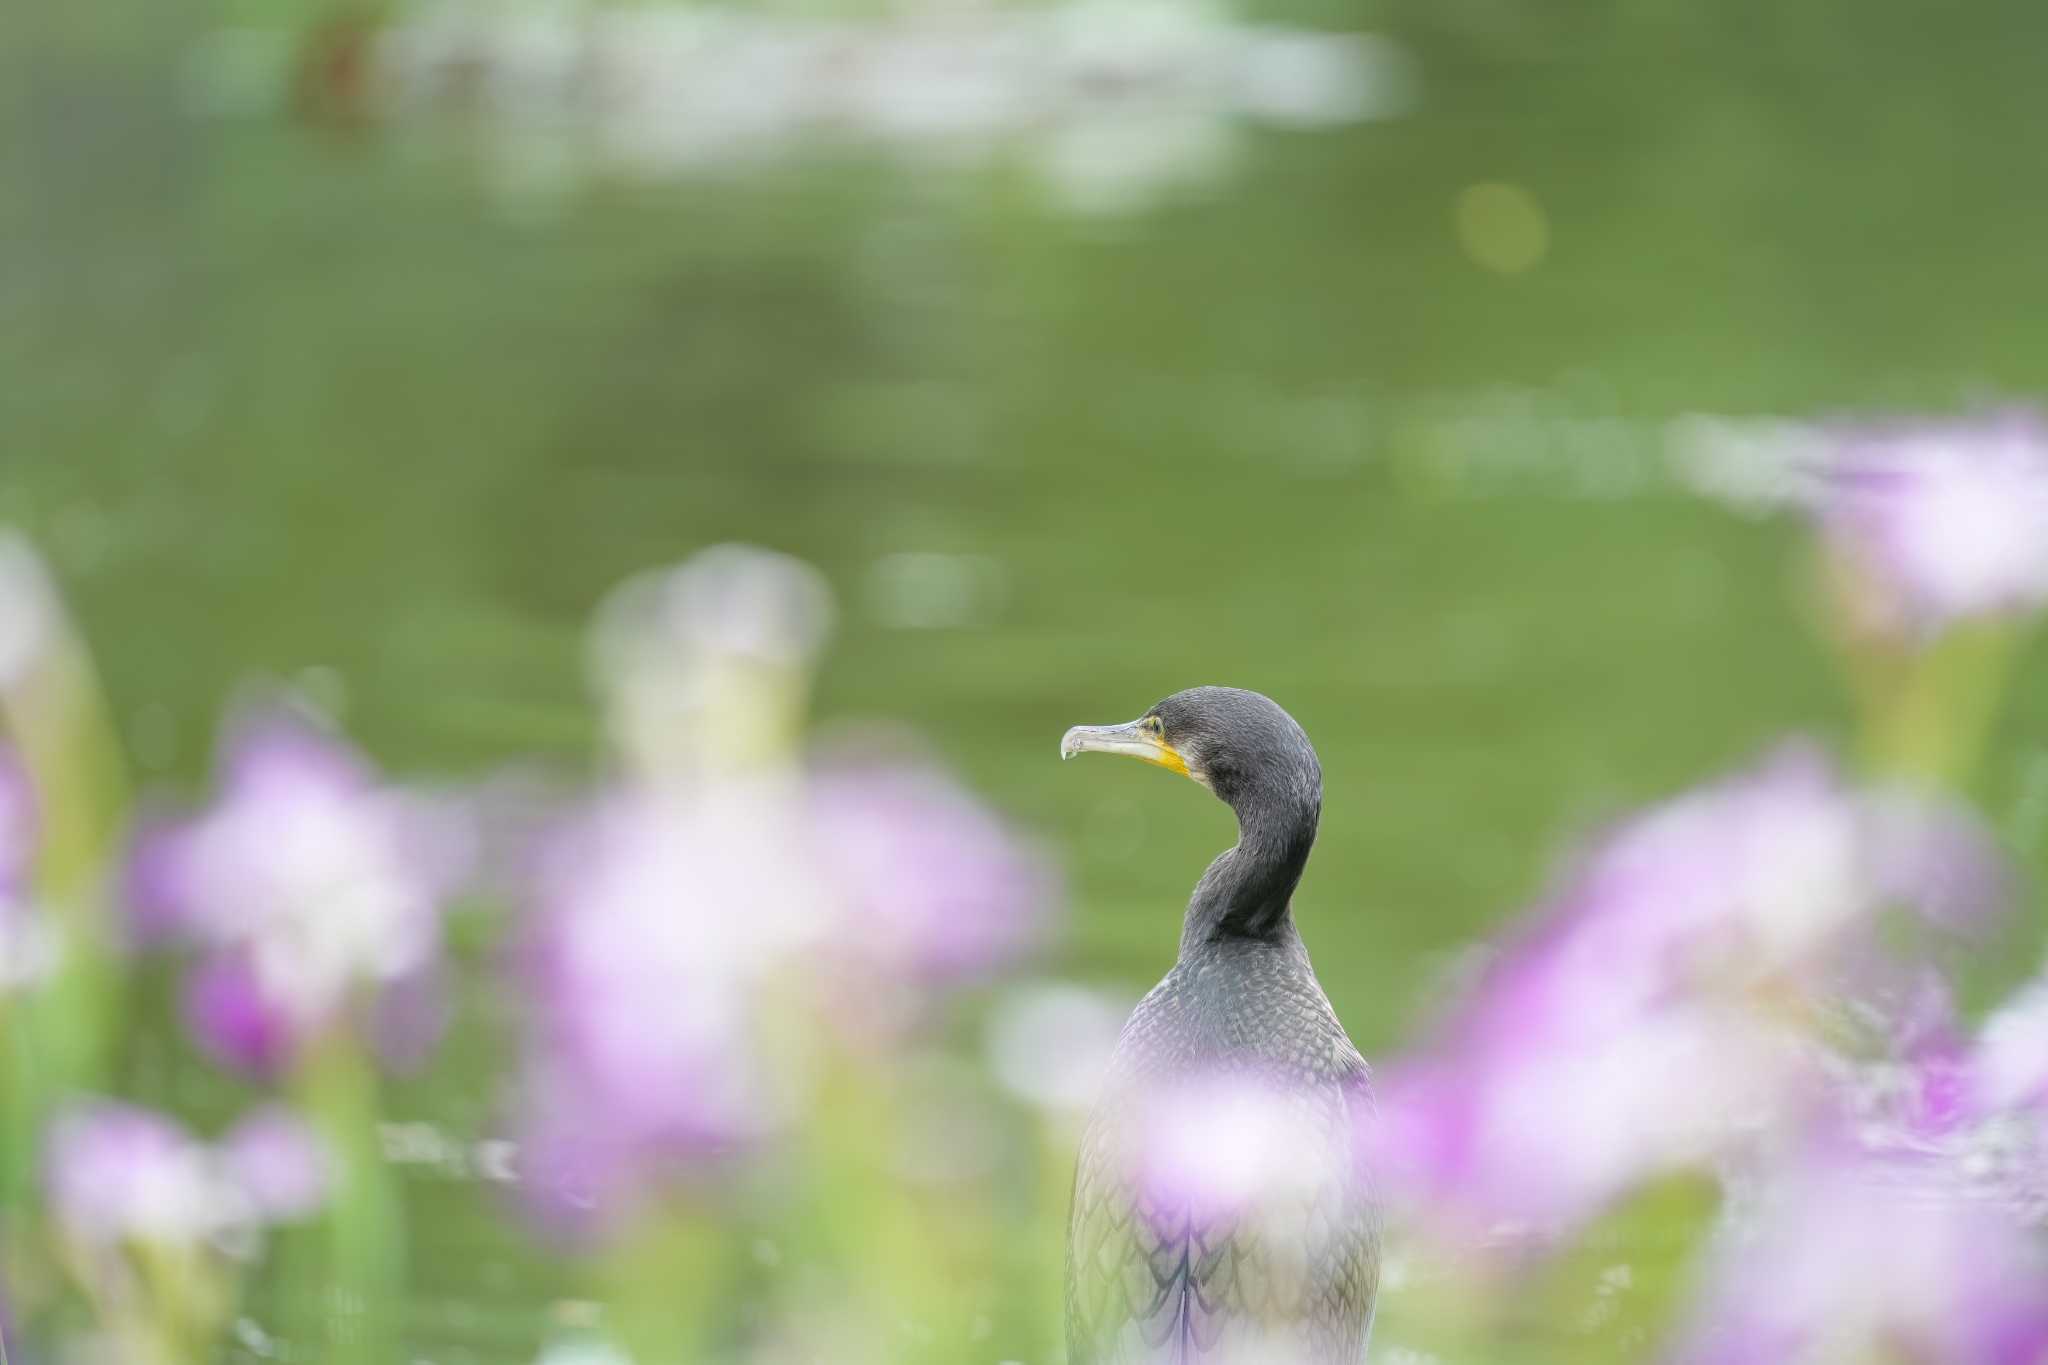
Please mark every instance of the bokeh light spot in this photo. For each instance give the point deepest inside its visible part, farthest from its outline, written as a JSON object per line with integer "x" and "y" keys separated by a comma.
{"x": 1502, "y": 227}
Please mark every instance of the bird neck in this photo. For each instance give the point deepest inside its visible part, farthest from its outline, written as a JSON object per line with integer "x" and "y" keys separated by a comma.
{"x": 1247, "y": 892}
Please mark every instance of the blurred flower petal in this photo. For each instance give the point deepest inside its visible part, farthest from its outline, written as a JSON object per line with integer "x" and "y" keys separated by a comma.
{"x": 1531, "y": 1142}
{"x": 28, "y": 944}
{"x": 1242, "y": 1148}
{"x": 303, "y": 883}
{"x": 658, "y": 920}
{"x": 234, "y": 1021}
{"x": 691, "y": 928}
{"x": 936, "y": 890}
{"x": 31, "y": 616}
{"x": 707, "y": 663}
{"x": 1941, "y": 521}
{"x": 575, "y": 1178}
{"x": 154, "y": 895}
{"x": 409, "y": 1017}
{"x": 1937, "y": 858}
{"x": 115, "y": 1172}
{"x": 278, "y": 1162}
{"x": 1050, "y": 1044}
{"x": 2012, "y": 1055}
{"x": 20, "y": 823}
{"x": 1844, "y": 1257}
{"x": 1650, "y": 1020}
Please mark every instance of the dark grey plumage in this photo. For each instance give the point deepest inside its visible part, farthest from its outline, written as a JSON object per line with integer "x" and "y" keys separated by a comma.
{"x": 1290, "y": 1281}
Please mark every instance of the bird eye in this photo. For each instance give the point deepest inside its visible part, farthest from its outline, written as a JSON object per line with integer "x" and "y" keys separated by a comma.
{"x": 1152, "y": 724}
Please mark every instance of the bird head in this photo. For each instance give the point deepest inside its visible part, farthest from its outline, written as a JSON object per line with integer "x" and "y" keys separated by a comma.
{"x": 1238, "y": 744}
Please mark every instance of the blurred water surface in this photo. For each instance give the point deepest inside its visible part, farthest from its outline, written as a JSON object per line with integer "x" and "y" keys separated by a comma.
{"x": 1377, "y": 419}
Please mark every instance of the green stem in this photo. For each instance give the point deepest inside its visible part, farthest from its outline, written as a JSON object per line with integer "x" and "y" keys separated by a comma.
{"x": 359, "y": 1297}
{"x": 20, "y": 1119}
{"x": 1056, "y": 1150}
{"x": 58, "y": 719}
{"x": 1928, "y": 713}
{"x": 55, "y": 1036}
{"x": 909, "y": 1249}
{"x": 662, "y": 1285}
{"x": 186, "y": 1303}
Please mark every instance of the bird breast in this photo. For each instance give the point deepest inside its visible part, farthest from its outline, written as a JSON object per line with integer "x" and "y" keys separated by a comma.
{"x": 1219, "y": 1209}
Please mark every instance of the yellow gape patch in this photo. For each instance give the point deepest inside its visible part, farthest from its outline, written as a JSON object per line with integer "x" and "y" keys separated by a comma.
{"x": 1168, "y": 757}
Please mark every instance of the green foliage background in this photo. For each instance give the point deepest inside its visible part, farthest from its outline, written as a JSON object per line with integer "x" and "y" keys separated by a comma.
{"x": 278, "y": 399}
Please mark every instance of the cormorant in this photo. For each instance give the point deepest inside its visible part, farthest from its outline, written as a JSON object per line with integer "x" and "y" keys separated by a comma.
{"x": 1277, "y": 1262}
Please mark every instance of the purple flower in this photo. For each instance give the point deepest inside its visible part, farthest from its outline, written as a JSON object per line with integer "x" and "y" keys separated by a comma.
{"x": 2011, "y": 1063}
{"x": 409, "y": 1016}
{"x": 659, "y": 920}
{"x": 1712, "y": 891}
{"x": 690, "y": 929}
{"x": 153, "y": 897}
{"x": 1941, "y": 521}
{"x": 1919, "y": 1086}
{"x": 1531, "y": 1141}
{"x": 578, "y": 1180}
{"x": 671, "y": 927}
{"x": 305, "y": 884}
{"x": 1742, "y": 879}
{"x": 20, "y": 825}
{"x": 934, "y": 888}
{"x": 278, "y": 1162}
{"x": 1848, "y": 1256}
{"x": 1647, "y": 1022}
{"x": 1974, "y": 1109}
{"x": 234, "y": 1020}
{"x": 115, "y": 1172}
{"x": 27, "y": 946}
{"x": 1936, "y": 858}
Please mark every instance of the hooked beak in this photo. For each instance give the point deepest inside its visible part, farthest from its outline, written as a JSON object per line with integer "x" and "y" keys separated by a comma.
{"x": 1131, "y": 739}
